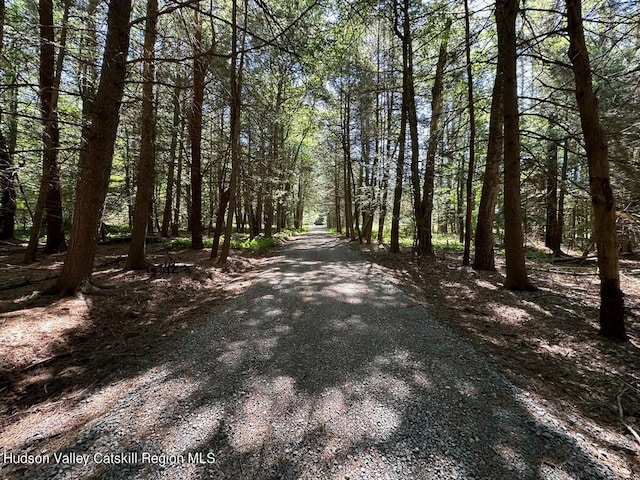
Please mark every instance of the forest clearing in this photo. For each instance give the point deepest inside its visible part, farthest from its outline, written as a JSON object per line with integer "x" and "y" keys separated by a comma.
{"x": 67, "y": 354}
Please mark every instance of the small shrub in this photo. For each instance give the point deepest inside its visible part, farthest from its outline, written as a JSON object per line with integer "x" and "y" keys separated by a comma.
{"x": 180, "y": 243}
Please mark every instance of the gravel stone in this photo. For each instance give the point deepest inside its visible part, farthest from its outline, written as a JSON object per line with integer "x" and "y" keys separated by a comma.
{"x": 324, "y": 369}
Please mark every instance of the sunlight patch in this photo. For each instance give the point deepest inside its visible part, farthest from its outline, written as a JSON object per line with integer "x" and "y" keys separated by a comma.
{"x": 510, "y": 315}
{"x": 234, "y": 355}
{"x": 353, "y": 291}
{"x": 267, "y": 413}
{"x": 193, "y": 430}
{"x": 238, "y": 352}
{"x": 512, "y": 459}
{"x": 352, "y": 322}
{"x": 487, "y": 285}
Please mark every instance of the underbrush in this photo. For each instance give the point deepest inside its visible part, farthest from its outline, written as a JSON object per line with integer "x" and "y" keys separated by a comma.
{"x": 241, "y": 241}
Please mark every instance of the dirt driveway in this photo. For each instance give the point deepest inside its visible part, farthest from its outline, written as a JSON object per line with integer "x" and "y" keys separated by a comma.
{"x": 323, "y": 368}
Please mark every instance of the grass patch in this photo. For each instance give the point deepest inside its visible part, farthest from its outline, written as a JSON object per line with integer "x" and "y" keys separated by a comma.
{"x": 538, "y": 255}
{"x": 180, "y": 243}
{"x": 239, "y": 241}
{"x": 447, "y": 243}
{"x": 23, "y": 235}
{"x": 117, "y": 231}
{"x": 255, "y": 244}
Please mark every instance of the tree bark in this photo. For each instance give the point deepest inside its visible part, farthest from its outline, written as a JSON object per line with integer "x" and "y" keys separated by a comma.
{"x": 402, "y": 137}
{"x": 612, "y": 312}
{"x": 8, "y": 202}
{"x": 563, "y": 188}
{"x": 97, "y": 154}
{"x": 516, "y": 278}
{"x": 8, "y": 196}
{"x": 299, "y": 214}
{"x": 553, "y": 235}
{"x": 136, "y": 260}
{"x": 425, "y": 241}
{"x": 346, "y": 170}
{"x": 195, "y": 131}
{"x": 7, "y": 170}
{"x": 175, "y": 225}
{"x": 484, "y": 255}
{"x": 173, "y": 154}
{"x": 387, "y": 165}
{"x": 466, "y": 256}
{"x": 235, "y": 89}
{"x": 56, "y": 241}
{"x": 88, "y": 72}
{"x": 49, "y": 196}
{"x": 336, "y": 195}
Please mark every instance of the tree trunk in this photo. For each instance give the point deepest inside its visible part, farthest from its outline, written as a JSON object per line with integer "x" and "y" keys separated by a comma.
{"x": 217, "y": 232}
{"x": 128, "y": 178}
{"x": 611, "y": 297}
{"x": 7, "y": 187}
{"x": 425, "y": 242}
{"x": 175, "y": 225}
{"x": 136, "y": 260}
{"x": 563, "y": 189}
{"x": 387, "y": 167}
{"x": 484, "y": 254}
{"x": 516, "y": 279}
{"x": 88, "y": 73}
{"x": 397, "y": 191}
{"x": 7, "y": 170}
{"x": 368, "y": 165}
{"x": 56, "y": 241}
{"x": 299, "y": 217}
{"x": 268, "y": 212}
{"x": 235, "y": 89}
{"x": 356, "y": 233}
{"x": 97, "y": 154}
{"x": 460, "y": 176}
{"x": 195, "y": 131}
{"x": 466, "y": 256}
{"x": 257, "y": 222}
{"x": 402, "y": 137}
{"x": 346, "y": 171}
{"x": 173, "y": 154}
{"x": 553, "y": 235}
{"x": 336, "y": 194}
{"x": 49, "y": 196}
{"x": 423, "y": 235}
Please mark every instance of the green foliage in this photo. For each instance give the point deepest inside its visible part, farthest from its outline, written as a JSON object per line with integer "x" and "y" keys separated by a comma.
{"x": 293, "y": 106}
{"x": 180, "y": 243}
{"x": 447, "y": 243}
{"x": 115, "y": 232}
{"x": 293, "y": 231}
{"x": 23, "y": 235}
{"x": 239, "y": 241}
{"x": 535, "y": 254}
{"x": 252, "y": 244}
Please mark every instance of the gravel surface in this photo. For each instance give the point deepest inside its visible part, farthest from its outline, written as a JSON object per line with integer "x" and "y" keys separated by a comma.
{"x": 322, "y": 369}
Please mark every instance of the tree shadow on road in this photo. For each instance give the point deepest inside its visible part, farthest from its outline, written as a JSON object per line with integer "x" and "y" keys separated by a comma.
{"x": 322, "y": 369}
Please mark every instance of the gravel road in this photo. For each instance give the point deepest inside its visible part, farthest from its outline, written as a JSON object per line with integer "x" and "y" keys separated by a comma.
{"x": 322, "y": 369}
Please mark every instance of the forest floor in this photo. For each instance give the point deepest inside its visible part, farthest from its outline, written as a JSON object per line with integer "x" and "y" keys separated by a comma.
{"x": 51, "y": 346}
{"x": 55, "y": 351}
